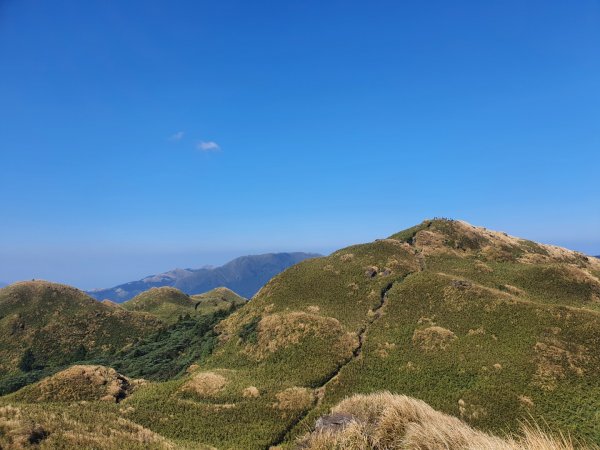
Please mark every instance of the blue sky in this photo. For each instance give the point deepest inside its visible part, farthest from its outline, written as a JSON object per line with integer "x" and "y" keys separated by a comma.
{"x": 140, "y": 136}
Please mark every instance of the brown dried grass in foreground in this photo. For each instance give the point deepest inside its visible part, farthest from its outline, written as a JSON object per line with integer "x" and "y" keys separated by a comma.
{"x": 384, "y": 421}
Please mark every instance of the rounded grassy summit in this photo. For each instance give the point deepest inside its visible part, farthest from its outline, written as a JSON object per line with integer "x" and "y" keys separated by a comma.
{"x": 168, "y": 303}
{"x": 43, "y": 323}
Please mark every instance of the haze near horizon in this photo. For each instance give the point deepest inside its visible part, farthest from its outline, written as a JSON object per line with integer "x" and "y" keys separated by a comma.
{"x": 140, "y": 137}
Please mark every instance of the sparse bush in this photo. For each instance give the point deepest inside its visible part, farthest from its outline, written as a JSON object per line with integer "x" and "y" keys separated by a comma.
{"x": 26, "y": 364}
{"x": 249, "y": 331}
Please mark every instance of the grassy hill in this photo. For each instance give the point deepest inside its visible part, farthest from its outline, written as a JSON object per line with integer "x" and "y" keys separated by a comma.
{"x": 482, "y": 326}
{"x": 216, "y": 299}
{"x": 54, "y": 324}
{"x": 44, "y": 327}
{"x": 168, "y": 303}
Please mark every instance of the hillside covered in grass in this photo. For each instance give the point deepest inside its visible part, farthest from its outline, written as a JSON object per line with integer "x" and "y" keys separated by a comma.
{"x": 168, "y": 303}
{"x": 45, "y": 327}
{"x": 482, "y": 326}
{"x": 47, "y": 324}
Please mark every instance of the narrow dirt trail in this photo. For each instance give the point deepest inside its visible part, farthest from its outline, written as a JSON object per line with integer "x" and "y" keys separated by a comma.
{"x": 356, "y": 353}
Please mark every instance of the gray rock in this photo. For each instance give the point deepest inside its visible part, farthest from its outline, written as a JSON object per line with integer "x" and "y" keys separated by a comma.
{"x": 333, "y": 422}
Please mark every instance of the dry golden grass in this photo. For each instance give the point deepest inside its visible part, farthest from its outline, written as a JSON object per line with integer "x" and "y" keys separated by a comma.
{"x": 81, "y": 382}
{"x": 192, "y": 368}
{"x": 483, "y": 267}
{"x": 294, "y": 399}
{"x": 554, "y": 359}
{"x": 110, "y": 303}
{"x": 513, "y": 290}
{"x": 251, "y": 392}
{"x": 493, "y": 245}
{"x": 16, "y": 431}
{"x": 384, "y": 349}
{"x": 347, "y": 257}
{"x": 430, "y": 242}
{"x": 205, "y": 384}
{"x": 433, "y": 338}
{"x": 388, "y": 422}
{"x": 47, "y": 429}
{"x": 277, "y": 331}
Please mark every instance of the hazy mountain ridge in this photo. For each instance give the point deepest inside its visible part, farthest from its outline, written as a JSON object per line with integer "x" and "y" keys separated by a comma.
{"x": 244, "y": 275}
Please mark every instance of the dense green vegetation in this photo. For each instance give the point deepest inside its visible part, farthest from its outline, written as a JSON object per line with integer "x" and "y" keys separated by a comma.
{"x": 162, "y": 352}
{"x": 161, "y": 356}
{"x": 46, "y": 325}
{"x": 483, "y": 326}
{"x": 169, "y": 304}
{"x": 170, "y": 351}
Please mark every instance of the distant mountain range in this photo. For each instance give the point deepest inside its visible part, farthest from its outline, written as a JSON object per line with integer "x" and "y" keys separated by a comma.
{"x": 244, "y": 275}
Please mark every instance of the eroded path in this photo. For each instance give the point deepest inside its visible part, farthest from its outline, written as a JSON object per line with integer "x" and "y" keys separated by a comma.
{"x": 373, "y": 316}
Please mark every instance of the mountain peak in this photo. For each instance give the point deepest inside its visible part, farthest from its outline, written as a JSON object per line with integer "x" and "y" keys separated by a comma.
{"x": 439, "y": 236}
{"x": 35, "y": 288}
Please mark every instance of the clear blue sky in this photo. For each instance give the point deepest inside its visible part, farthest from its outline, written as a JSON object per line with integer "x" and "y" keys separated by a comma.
{"x": 139, "y": 136}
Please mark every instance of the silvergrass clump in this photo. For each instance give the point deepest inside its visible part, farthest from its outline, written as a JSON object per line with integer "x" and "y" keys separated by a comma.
{"x": 384, "y": 421}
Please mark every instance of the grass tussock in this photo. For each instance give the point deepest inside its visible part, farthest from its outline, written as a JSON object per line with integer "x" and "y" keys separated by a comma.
{"x": 205, "y": 384}
{"x": 384, "y": 421}
{"x": 278, "y": 331}
{"x": 80, "y": 382}
{"x": 555, "y": 360}
{"x": 294, "y": 398}
{"x": 251, "y": 392}
{"x": 433, "y": 338}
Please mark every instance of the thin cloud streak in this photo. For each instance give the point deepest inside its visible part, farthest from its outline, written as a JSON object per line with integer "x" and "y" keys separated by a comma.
{"x": 209, "y": 146}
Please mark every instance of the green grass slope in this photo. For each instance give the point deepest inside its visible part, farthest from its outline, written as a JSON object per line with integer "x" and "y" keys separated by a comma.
{"x": 168, "y": 303}
{"x": 481, "y": 325}
{"x": 216, "y": 299}
{"x": 46, "y": 324}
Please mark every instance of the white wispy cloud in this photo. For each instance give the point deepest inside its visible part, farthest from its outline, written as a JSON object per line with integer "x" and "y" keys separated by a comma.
{"x": 209, "y": 146}
{"x": 177, "y": 136}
